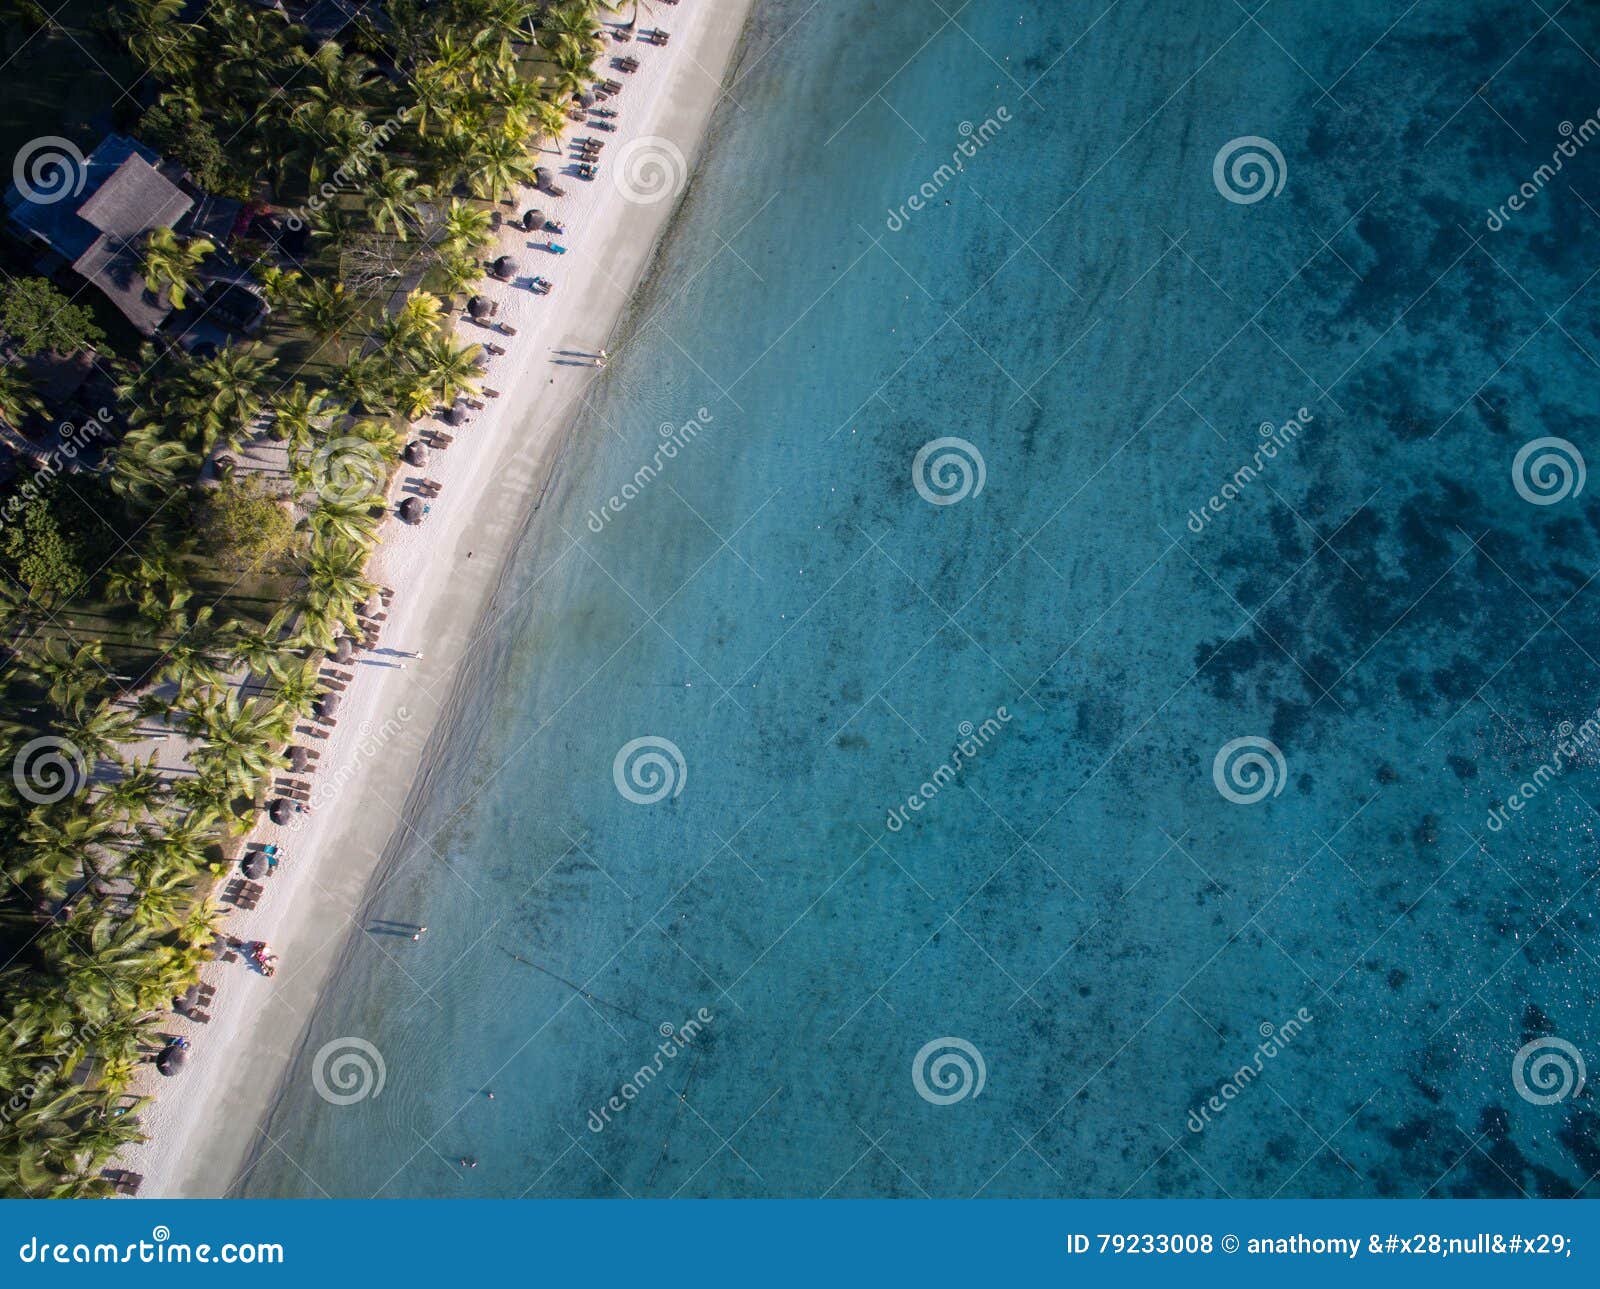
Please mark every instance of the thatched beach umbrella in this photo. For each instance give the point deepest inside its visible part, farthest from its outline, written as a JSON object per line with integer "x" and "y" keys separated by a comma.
{"x": 189, "y": 998}
{"x": 299, "y": 759}
{"x": 253, "y": 864}
{"x": 455, "y": 414}
{"x": 344, "y": 649}
{"x": 533, "y": 221}
{"x": 411, "y": 510}
{"x": 328, "y": 705}
{"x": 504, "y": 268}
{"x": 541, "y": 176}
{"x": 479, "y": 307}
{"x": 282, "y": 811}
{"x": 416, "y": 454}
{"x": 171, "y": 1059}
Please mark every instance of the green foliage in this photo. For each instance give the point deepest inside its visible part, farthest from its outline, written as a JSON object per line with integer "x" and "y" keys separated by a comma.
{"x": 192, "y": 142}
{"x": 36, "y": 317}
{"x": 244, "y": 526}
{"x": 51, "y": 542}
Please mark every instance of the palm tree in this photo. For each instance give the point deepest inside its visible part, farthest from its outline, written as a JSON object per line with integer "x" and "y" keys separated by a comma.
{"x": 497, "y": 165}
{"x": 392, "y": 199}
{"x": 301, "y": 416}
{"x": 366, "y": 382}
{"x": 448, "y": 369}
{"x": 549, "y": 120}
{"x": 278, "y": 285}
{"x": 159, "y": 38}
{"x": 169, "y": 262}
{"x": 238, "y": 738}
{"x": 464, "y": 228}
{"x": 19, "y": 399}
{"x": 147, "y": 467}
{"x": 337, "y": 78}
{"x": 328, "y": 309}
{"x": 458, "y": 273}
{"x": 68, "y": 675}
{"x": 97, "y": 730}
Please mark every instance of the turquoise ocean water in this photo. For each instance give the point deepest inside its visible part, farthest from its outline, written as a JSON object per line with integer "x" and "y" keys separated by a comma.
{"x": 1353, "y": 965}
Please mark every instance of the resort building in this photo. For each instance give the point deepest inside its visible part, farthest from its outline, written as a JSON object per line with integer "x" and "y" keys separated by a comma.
{"x": 126, "y": 191}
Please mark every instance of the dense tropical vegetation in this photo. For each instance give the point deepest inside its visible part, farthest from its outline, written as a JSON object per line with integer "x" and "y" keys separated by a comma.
{"x": 160, "y": 593}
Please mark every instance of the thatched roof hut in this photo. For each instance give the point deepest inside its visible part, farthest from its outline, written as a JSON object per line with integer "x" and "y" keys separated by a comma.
{"x": 416, "y": 454}
{"x": 411, "y": 510}
{"x": 171, "y": 1058}
{"x": 281, "y": 811}
{"x": 504, "y": 268}
{"x": 479, "y": 307}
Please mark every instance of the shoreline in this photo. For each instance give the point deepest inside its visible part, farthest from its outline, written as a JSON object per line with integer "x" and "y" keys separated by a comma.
{"x": 448, "y": 575}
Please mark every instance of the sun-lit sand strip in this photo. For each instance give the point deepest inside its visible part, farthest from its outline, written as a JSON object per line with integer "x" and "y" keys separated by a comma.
{"x": 203, "y": 1124}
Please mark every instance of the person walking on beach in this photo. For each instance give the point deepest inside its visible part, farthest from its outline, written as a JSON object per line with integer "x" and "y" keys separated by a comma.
{"x": 418, "y": 933}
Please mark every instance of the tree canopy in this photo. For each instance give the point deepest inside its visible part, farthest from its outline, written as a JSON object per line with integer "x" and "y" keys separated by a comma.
{"x": 244, "y": 526}
{"x": 35, "y": 317}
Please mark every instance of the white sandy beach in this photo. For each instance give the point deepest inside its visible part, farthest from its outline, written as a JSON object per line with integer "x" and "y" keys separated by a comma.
{"x": 203, "y": 1124}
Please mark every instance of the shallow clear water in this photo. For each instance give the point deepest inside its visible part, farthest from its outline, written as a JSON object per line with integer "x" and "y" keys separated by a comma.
{"x": 1080, "y": 903}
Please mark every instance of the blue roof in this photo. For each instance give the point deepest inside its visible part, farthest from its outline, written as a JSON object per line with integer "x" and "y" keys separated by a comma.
{"x": 59, "y": 223}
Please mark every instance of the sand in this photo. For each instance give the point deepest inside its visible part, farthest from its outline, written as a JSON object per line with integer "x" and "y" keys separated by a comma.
{"x": 203, "y": 1124}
